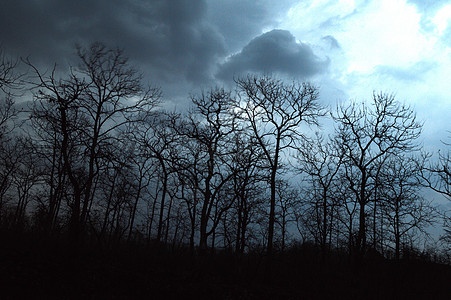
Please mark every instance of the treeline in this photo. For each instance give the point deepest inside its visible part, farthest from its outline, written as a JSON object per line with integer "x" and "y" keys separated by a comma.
{"x": 96, "y": 157}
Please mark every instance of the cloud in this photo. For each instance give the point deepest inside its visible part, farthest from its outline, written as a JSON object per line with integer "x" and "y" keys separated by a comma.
{"x": 239, "y": 21}
{"x": 428, "y": 4}
{"x": 274, "y": 52}
{"x": 170, "y": 40}
{"x": 446, "y": 37}
{"x": 333, "y": 43}
{"x": 415, "y": 72}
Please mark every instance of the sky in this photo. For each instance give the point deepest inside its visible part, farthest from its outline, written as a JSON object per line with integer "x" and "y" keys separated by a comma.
{"x": 347, "y": 48}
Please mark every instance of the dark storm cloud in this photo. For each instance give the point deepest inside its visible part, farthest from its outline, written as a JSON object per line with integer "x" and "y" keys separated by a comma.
{"x": 169, "y": 39}
{"x": 275, "y": 51}
{"x": 412, "y": 73}
{"x": 240, "y": 21}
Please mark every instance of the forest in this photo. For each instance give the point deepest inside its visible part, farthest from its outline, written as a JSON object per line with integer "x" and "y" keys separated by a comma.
{"x": 229, "y": 197}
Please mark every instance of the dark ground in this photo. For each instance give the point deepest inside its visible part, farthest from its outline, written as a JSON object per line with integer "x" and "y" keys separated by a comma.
{"x": 38, "y": 268}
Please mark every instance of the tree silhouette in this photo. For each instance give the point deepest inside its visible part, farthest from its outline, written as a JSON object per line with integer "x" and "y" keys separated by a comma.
{"x": 208, "y": 128}
{"x": 9, "y": 158}
{"x": 321, "y": 161}
{"x": 403, "y": 206}
{"x": 368, "y": 135}
{"x": 274, "y": 112}
{"x": 93, "y": 102}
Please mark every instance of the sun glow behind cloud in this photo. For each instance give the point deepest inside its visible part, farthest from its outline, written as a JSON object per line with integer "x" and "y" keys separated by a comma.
{"x": 371, "y": 34}
{"x": 442, "y": 19}
{"x": 388, "y": 33}
{"x": 384, "y": 45}
{"x": 385, "y": 32}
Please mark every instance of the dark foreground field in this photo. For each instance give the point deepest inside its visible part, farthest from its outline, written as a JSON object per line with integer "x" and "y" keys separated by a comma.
{"x": 35, "y": 268}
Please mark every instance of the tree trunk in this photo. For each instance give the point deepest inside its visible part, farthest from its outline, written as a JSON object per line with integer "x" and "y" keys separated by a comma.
{"x": 152, "y": 215}
{"x": 163, "y": 199}
{"x": 324, "y": 233}
{"x": 397, "y": 232}
{"x": 361, "y": 236}
{"x": 272, "y": 211}
{"x": 168, "y": 220}
{"x": 238, "y": 231}
{"x": 135, "y": 205}
{"x": 204, "y": 212}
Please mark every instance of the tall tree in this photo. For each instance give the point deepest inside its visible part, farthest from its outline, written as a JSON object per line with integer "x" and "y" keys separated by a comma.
{"x": 287, "y": 200}
{"x": 275, "y": 111}
{"x": 208, "y": 128}
{"x": 321, "y": 162}
{"x": 367, "y": 134}
{"x": 403, "y": 206}
{"x": 156, "y": 138}
{"x": 436, "y": 175}
{"x": 9, "y": 80}
{"x": 9, "y": 77}
{"x": 96, "y": 99}
{"x": 247, "y": 163}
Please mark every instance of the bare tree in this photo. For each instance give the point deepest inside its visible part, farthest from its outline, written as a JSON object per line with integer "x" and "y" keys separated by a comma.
{"x": 8, "y": 80}
{"x": 26, "y": 177}
{"x": 287, "y": 199}
{"x": 367, "y": 135}
{"x": 247, "y": 163}
{"x": 403, "y": 206}
{"x": 321, "y": 162}
{"x": 112, "y": 97}
{"x": 208, "y": 127}
{"x": 275, "y": 111}
{"x": 437, "y": 175}
{"x": 93, "y": 102}
{"x": 187, "y": 159}
{"x": 155, "y": 138}
{"x": 9, "y": 158}
{"x": 9, "y": 77}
